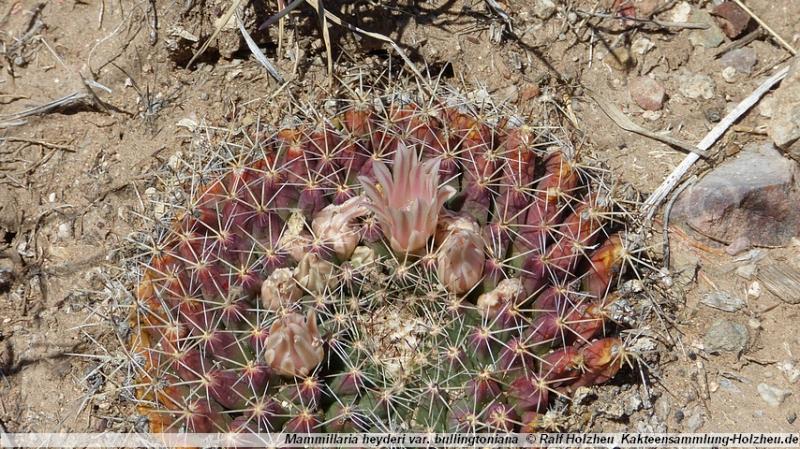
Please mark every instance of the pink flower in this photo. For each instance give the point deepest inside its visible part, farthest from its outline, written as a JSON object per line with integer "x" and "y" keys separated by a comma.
{"x": 409, "y": 200}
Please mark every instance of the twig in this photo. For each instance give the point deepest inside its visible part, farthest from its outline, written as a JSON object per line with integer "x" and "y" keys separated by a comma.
{"x": 39, "y": 142}
{"x": 223, "y": 21}
{"x": 280, "y": 14}
{"x": 655, "y": 199}
{"x": 750, "y": 37}
{"x": 259, "y": 55}
{"x": 777, "y": 37}
{"x": 625, "y": 123}
{"x": 500, "y": 12}
{"x": 660, "y": 23}
{"x": 65, "y": 101}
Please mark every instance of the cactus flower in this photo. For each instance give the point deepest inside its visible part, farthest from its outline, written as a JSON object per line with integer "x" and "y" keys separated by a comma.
{"x": 294, "y": 346}
{"x": 335, "y": 226}
{"x": 409, "y": 200}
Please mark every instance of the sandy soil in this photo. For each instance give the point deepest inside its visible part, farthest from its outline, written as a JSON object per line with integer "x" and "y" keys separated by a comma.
{"x": 73, "y": 176}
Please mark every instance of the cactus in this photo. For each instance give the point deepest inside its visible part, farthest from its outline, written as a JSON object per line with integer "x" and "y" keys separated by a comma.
{"x": 403, "y": 266}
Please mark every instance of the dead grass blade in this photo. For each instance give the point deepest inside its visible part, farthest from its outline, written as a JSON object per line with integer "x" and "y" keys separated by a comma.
{"x": 323, "y": 23}
{"x": 65, "y": 101}
{"x": 257, "y": 53}
{"x": 628, "y": 125}
{"x": 225, "y": 19}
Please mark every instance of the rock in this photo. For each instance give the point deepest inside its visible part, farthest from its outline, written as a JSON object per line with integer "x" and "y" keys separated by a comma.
{"x": 642, "y": 45}
{"x": 747, "y": 271}
{"x": 784, "y": 128}
{"x": 544, "y": 9}
{"x": 711, "y": 37}
{"x": 754, "y": 290}
{"x": 729, "y": 386}
{"x": 767, "y": 106}
{"x": 738, "y": 246}
{"x": 773, "y": 396}
{"x": 725, "y": 335}
{"x": 695, "y": 421}
{"x": 790, "y": 370}
{"x": 741, "y": 59}
{"x": 696, "y": 86}
{"x": 753, "y": 196}
{"x": 64, "y": 231}
{"x": 732, "y": 18}
{"x": 729, "y": 74}
{"x": 647, "y": 93}
{"x": 681, "y": 12}
{"x": 791, "y": 417}
{"x": 721, "y": 300}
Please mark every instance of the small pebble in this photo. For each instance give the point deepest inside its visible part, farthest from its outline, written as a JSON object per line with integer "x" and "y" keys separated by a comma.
{"x": 747, "y": 271}
{"x": 647, "y": 93}
{"x": 729, "y": 74}
{"x": 722, "y": 300}
{"x": 742, "y": 60}
{"x": 642, "y": 45}
{"x": 791, "y": 417}
{"x": 696, "y": 86}
{"x": 790, "y": 370}
{"x": 681, "y": 11}
{"x": 726, "y": 336}
{"x": 773, "y": 396}
{"x": 731, "y": 18}
{"x": 754, "y": 290}
{"x": 695, "y": 421}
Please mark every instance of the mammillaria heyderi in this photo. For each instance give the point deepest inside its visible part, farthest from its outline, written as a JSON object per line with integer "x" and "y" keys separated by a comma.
{"x": 402, "y": 266}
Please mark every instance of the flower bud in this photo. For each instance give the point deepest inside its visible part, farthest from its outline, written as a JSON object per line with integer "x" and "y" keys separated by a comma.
{"x": 460, "y": 258}
{"x": 503, "y": 297}
{"x": 279, "y": 289}
{"x": 294, "y": 346}
{"x": 335, "y": 226}
{"x": 313, "y": 274}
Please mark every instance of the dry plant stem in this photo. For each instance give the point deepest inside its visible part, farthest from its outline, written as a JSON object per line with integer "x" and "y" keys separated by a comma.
{"x": 224, "y": 21}
{"x": 39, "y": 142}
{"x": 625, "y": 123}
{"x": 257, "y": 53}
{"x": 660, "y": 23}
{"x": 750, "y": 37}
{"x": 67, "y": 100}
{"x": 777, "y": 37}
{"x": 335, "y": 19}
{"x": 326, "y": 37}
{"x": 651, "y": 204}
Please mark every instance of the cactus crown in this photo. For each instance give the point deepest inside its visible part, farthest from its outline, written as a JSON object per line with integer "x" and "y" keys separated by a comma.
{"x": 395, "y": 267}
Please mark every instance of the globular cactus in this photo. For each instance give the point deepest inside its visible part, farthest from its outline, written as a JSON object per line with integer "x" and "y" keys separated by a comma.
{"x": 401, "y": 266}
